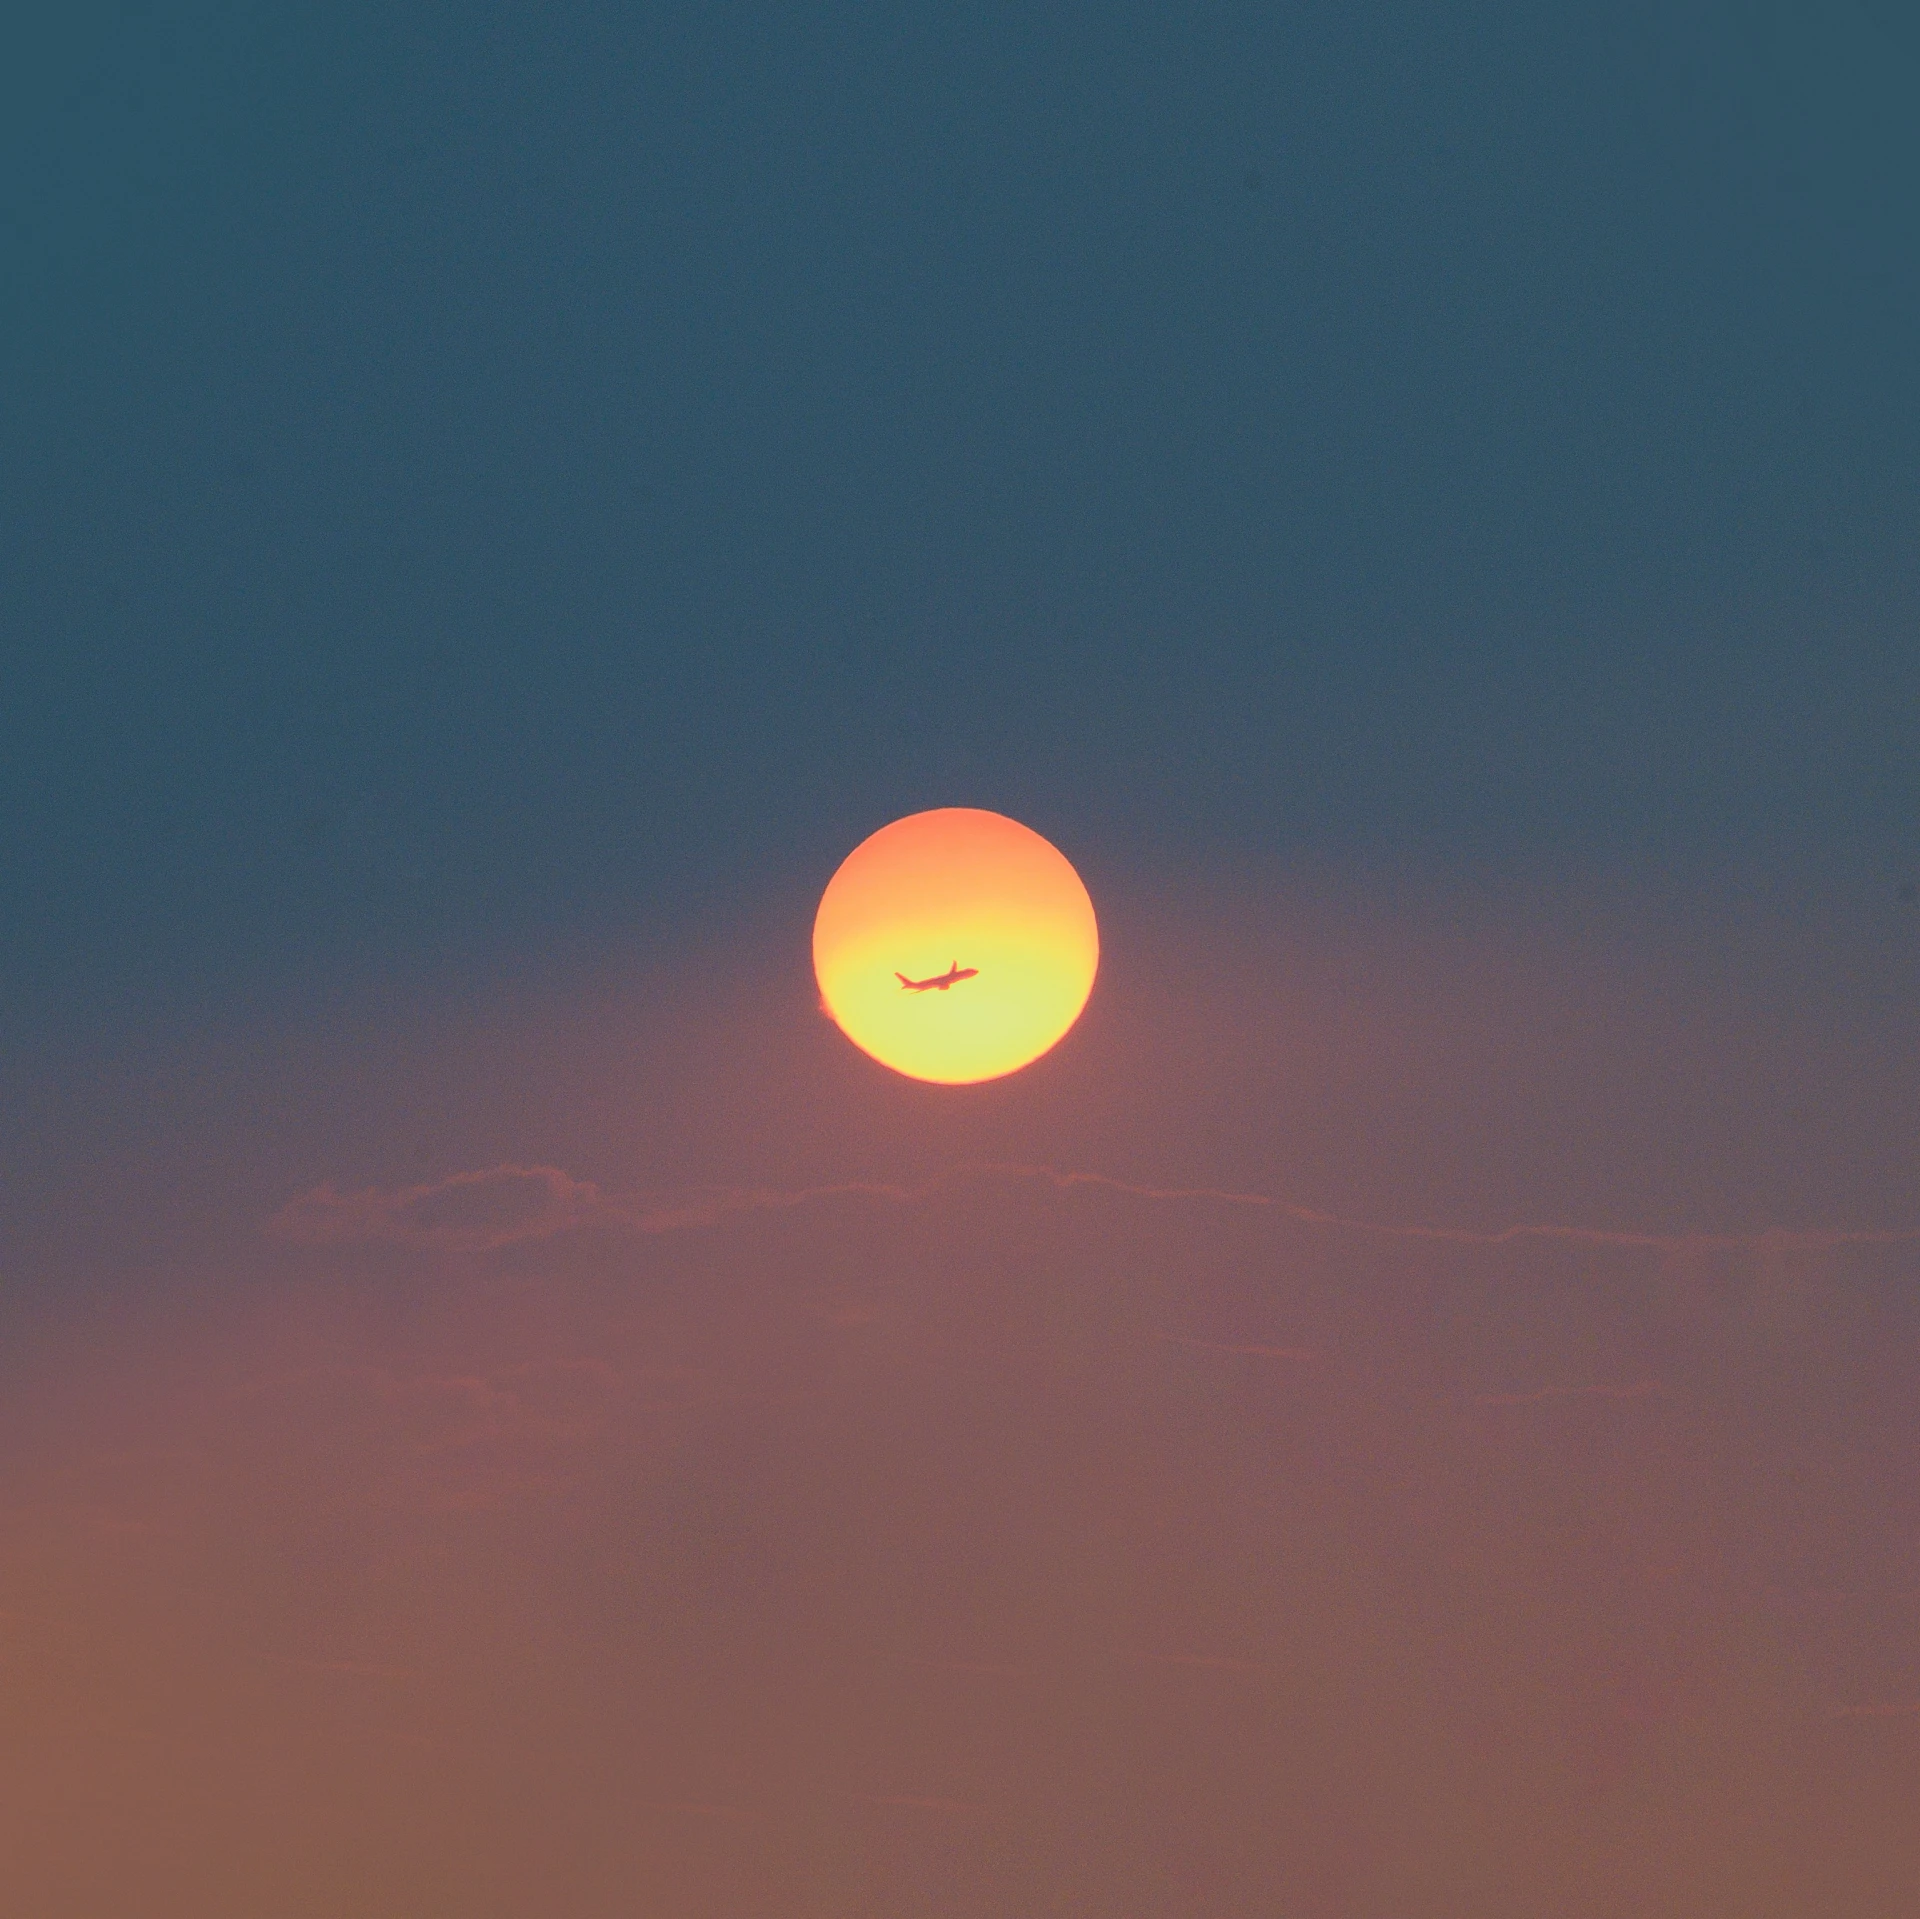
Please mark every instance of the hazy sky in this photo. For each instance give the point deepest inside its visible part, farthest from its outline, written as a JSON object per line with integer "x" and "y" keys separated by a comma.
{"x": 1409, "y": 1412}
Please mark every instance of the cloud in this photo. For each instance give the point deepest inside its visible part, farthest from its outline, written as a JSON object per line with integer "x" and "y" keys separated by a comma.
{"x": 984, "y": 1667}
{"x": 506, "y": 1205}
{"x": 659, "y": 1541}
{"x": 1772, "y": 1238}
{"x": 913, "y": 1802}
{"x": 470, "y": 1212}
{"x": 492, "y": 1207}
{"x": 699, "y": 1809}
{"x": 1642, "y": 1389}
{"x": 430, "y": 1412}
{"x": 1252, "y": 1351}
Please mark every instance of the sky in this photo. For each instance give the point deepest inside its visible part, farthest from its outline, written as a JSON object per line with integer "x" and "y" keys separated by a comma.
{"x": 474, "y": 477}
{"x": 1409, "y": 1409}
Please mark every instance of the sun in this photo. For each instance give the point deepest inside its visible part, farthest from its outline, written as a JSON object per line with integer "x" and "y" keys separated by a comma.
{"x": 955, "y": 945}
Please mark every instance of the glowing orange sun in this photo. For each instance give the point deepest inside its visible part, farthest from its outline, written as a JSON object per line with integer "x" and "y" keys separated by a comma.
{"x": 955, "y": 945}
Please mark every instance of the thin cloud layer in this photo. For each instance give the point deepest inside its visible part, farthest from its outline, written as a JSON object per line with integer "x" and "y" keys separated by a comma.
{"x": 496, "y": 1206}
{"x": 1024, "y": 1537}
{"x": 1546, "y": 1395}
{"x": 469, "y": 1212}
{"x": 492, "y": 1207}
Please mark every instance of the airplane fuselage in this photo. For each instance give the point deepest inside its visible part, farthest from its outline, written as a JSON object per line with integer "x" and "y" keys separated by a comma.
{"x": 940, "y": 981}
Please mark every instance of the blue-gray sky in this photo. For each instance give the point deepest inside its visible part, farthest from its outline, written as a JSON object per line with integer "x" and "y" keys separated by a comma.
{"x": 479, "y": 475}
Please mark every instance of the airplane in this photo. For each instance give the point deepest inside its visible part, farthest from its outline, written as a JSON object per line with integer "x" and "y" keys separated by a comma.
{"x": 940, "y": 981}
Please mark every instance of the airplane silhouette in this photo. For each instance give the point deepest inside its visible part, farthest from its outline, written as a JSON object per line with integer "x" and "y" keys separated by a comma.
{"x": 940, "y": 981}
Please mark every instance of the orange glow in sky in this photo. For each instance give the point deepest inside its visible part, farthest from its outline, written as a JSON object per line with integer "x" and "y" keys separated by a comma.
{"x": 956, "y": 888}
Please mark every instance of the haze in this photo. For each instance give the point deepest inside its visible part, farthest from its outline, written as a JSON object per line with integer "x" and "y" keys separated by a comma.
{"x": 1408, "y": 1410}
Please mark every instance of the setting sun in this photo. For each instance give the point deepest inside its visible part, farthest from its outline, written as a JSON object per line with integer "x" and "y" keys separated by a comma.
{"x": 955, "y": 945}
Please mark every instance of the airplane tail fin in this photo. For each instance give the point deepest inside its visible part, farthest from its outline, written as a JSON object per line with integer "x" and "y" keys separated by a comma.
{"x": 903, "y": 979}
